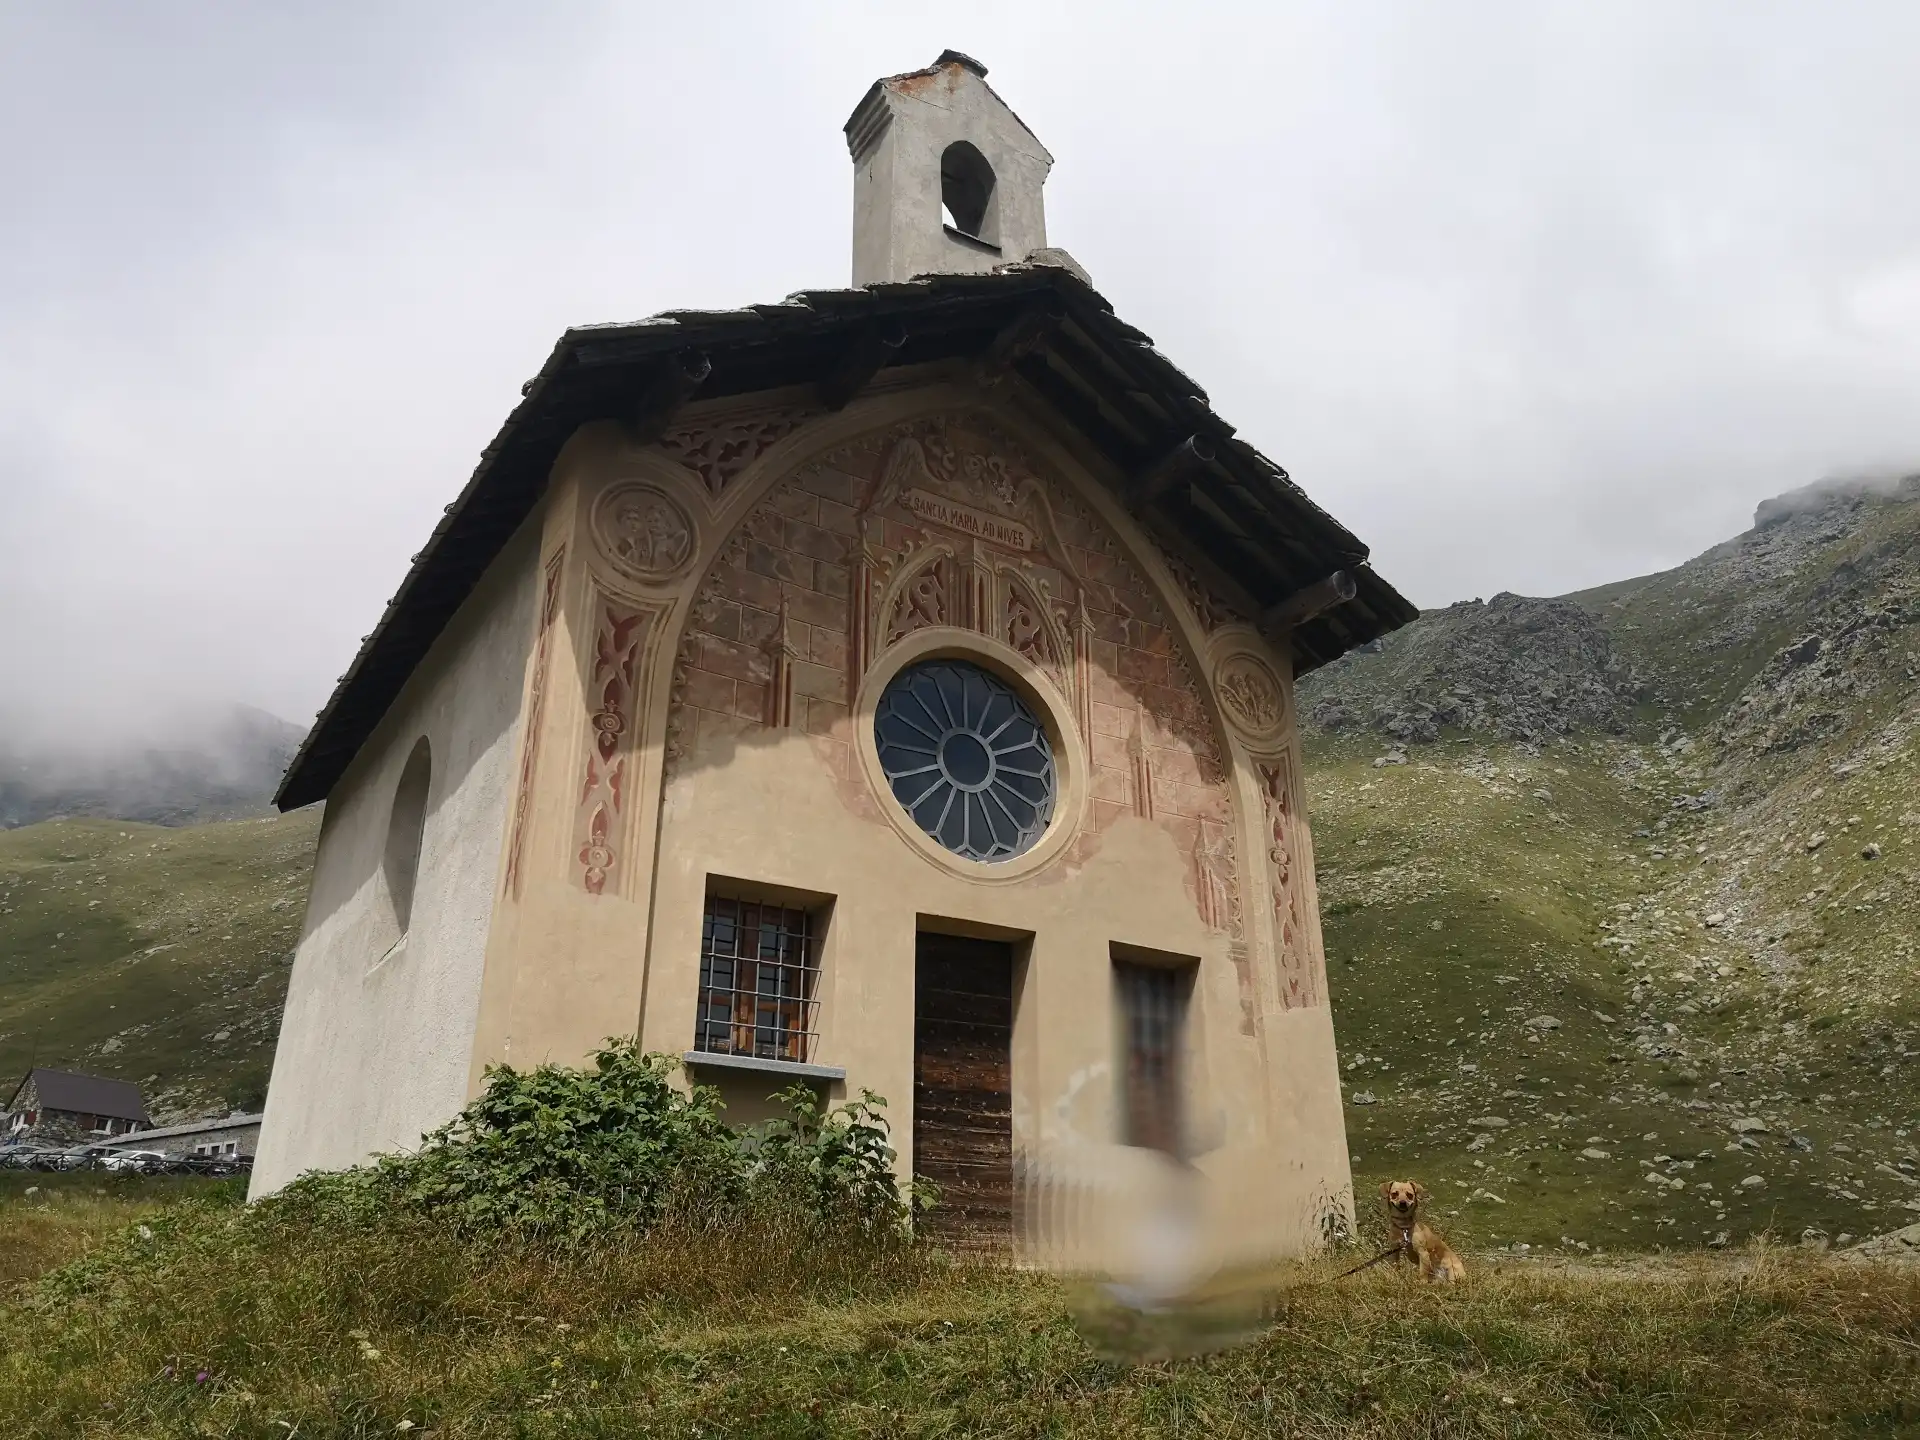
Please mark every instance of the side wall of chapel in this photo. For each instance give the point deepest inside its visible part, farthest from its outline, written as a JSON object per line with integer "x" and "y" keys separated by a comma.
{"x": 378, "y": 1028}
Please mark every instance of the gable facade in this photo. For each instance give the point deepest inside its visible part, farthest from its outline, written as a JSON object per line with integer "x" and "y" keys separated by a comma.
{"x": 700, "y": 631}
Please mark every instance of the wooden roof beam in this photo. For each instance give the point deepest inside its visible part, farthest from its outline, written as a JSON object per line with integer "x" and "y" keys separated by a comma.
{"x": 669, "y": 388}
{"x": 872, "y": 349}
{"x": 1306, "y": 603}
{"x": 1084, "y": 372}
{"x": 1027, "y": 332}
{"x": 1155, "y": 479}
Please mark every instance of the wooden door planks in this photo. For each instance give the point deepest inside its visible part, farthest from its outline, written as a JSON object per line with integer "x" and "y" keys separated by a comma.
{"x": 963, "y": 1084}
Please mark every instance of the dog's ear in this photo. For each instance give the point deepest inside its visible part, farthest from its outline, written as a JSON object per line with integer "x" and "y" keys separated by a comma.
{"x": 1386, "y": 1189}
{"x": 1419, "y": 1192}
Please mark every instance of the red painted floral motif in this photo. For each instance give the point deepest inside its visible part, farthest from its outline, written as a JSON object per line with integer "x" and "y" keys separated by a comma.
{"x": 1289, "y": 934}
{"x": 923, "y": 602}
{"x": 721, "y": 450}
{"x": 618, "y": 644}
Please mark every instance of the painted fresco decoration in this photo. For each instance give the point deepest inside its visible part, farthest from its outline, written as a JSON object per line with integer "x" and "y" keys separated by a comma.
{"x": 945, "y": 522}
{"x": 718, "y": 450}
{"x": 926, "y": 599}
{"x": 1252, "y": 696}
{"x": 1210, "y": 612}
{"x": 1297, "y": 971}
{"x": 622, "y": 635}
{"x": 980, "y": 549}
{"x": 643, "y": 532}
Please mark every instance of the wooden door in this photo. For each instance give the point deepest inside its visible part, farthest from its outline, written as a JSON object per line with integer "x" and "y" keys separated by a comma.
{"x": 963, "y": 1084}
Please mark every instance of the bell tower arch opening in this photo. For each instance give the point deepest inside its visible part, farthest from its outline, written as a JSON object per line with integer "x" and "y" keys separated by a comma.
{"x": 967, "y": 193}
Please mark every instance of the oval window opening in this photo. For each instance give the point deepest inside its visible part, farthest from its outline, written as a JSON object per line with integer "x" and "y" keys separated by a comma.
{"x": 405, "y": 830}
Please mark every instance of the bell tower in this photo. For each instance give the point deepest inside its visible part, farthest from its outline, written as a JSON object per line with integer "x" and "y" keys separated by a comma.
{"x": 947, "y": 179}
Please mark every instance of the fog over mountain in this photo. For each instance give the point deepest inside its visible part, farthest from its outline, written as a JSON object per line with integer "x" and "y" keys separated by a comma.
{"x": 179, "y": 768}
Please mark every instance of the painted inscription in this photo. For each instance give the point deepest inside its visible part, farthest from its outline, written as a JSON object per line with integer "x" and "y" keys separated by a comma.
{"x": 936, "y": 510}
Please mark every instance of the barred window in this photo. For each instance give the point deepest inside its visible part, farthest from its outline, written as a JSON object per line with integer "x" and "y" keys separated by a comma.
{"x": 758, "y": 975}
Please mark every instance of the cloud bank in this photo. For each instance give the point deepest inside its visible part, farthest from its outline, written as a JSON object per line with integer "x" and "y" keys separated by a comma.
{"x": 1530, "y": 296}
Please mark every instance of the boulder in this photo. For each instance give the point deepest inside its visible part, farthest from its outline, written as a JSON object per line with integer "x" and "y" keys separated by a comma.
{"x": 1896, "y": 1247}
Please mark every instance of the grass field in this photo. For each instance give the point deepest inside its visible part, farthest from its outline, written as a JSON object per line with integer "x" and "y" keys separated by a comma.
{"x": 151, "y": 954}
{"x": 216, "y": 1321}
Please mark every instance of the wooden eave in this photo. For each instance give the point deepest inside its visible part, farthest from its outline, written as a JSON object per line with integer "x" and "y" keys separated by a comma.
{"x": 1238, "y": 518}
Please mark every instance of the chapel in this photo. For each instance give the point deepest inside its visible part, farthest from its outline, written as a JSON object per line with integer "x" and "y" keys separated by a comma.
{"x": 886, "y": 688}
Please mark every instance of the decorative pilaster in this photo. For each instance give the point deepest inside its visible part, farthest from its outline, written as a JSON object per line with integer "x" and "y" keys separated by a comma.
{"x": 782, "y": 654}
{"x": 536, "y": 711}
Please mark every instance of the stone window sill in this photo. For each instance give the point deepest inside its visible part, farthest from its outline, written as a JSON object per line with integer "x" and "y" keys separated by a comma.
{"x": 754, "y": 1063}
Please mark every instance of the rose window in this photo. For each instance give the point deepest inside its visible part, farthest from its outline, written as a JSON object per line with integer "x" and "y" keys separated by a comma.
{"x": 967, "y": 758}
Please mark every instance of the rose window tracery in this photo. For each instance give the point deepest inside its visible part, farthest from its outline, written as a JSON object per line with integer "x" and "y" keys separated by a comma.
{"x": 966, "y": 757}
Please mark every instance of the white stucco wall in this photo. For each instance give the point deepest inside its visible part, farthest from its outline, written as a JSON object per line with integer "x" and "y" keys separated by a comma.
{"x": 376, "y": 1039}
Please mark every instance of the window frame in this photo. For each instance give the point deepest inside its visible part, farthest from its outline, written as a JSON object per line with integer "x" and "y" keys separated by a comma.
{"x": 735, "y": 1012}
{"x": 1153, "y": 1018}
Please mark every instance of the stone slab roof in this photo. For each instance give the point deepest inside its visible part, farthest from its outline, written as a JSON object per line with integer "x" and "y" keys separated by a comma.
{"x": 1234, "y": 515}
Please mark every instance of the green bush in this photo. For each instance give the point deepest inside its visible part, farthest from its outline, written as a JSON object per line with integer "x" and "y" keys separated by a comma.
{"x": 566, "y": 1153}
{"x": 837, "y": 1163}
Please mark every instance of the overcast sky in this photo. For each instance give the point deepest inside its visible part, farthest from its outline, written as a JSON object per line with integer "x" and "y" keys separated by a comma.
{"x": 1530, "y": 295}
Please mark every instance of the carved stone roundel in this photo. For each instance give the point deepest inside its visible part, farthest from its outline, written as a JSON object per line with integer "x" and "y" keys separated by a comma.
{"x": 643, "y": 532}
{"x": 1251, "y": 695}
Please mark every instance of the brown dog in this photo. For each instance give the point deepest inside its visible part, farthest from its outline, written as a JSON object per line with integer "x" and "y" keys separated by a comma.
{"x": 1439, "y": 1262}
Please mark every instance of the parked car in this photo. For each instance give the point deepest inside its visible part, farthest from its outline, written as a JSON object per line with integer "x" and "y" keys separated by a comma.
{"x": 84, "y": 1157}
{"x": 136, "y": 1162}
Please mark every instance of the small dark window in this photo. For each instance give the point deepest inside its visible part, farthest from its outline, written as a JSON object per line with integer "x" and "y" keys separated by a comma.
{"x": 405, "y": 831}
{"x": 759, "y": 974}
{"x": 966, "y": 193}
{"x": 1153, "y": 1019}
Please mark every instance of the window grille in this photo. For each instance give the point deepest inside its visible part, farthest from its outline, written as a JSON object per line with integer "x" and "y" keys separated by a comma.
{"x": 758, "y": 976}
{"x": 1153, "y": 1015}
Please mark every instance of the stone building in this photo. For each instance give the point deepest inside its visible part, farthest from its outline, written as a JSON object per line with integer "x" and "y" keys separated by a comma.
{"x": 234, "y": 1137}
{"x": 62, "y": 1107}
{"x": 885, "y": 688}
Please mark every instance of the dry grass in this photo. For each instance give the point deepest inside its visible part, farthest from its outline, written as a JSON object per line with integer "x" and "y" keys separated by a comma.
{"x": 50, "y": 1220}
{"x": 311, "y": 1332}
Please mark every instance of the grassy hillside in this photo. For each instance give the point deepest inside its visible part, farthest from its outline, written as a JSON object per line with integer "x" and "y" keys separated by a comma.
{"x": 1837, "y": 565}
{"x": 152, "y": 954}
{"x": 1717, "y": 904}
{"x": 1503, "y": 946}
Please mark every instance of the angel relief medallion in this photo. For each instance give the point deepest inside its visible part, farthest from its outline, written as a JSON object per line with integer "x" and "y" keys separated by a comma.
{"x": 643, "y": 532}
{"x": 1251, "y": 695}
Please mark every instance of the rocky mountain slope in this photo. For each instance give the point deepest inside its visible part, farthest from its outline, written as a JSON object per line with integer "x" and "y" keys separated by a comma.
{"x": 219, "y": 765}
{"x": 1620, "y": 891}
